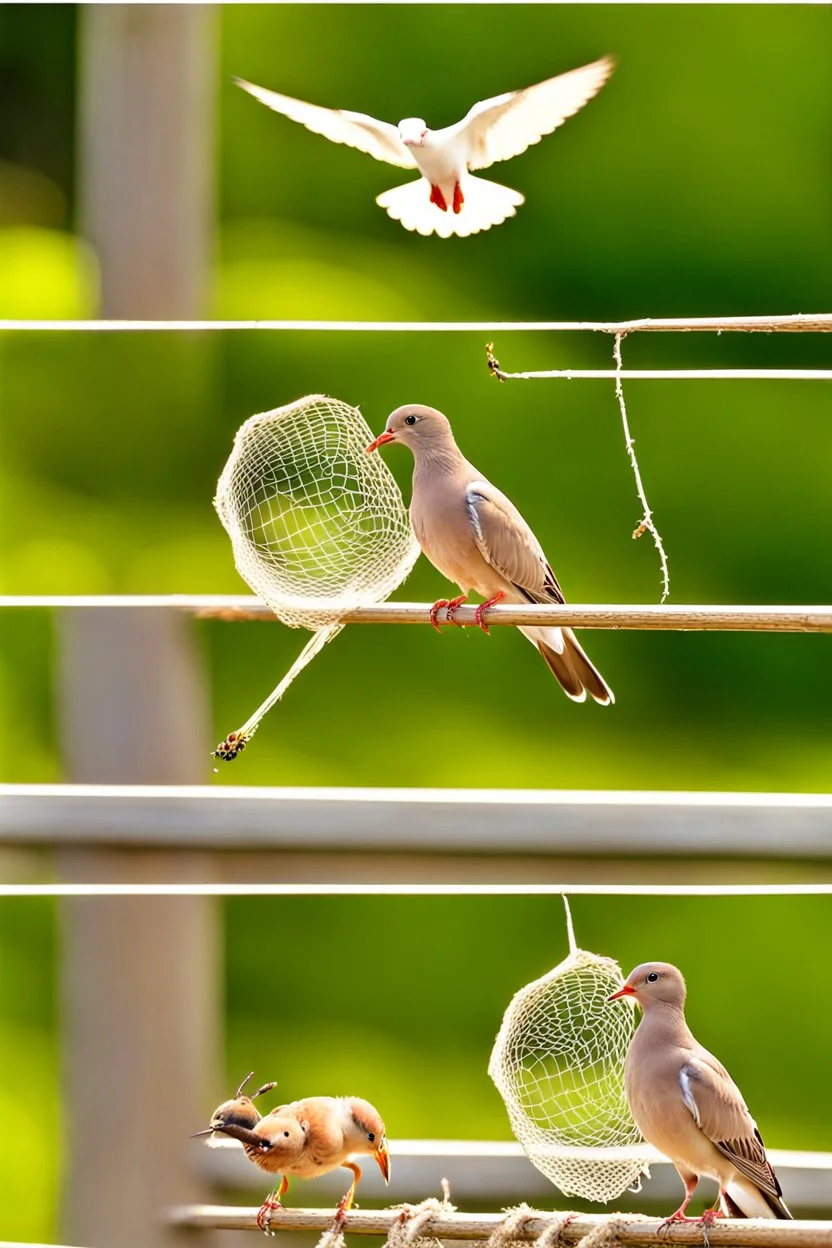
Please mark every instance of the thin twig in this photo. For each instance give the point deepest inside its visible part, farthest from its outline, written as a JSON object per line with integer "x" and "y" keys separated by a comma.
{"x": 646, "y": 523}
{"x": 664, "y": 374}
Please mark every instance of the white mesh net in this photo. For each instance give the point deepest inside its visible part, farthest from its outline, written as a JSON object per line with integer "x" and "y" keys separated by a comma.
{"x": 558, "y": 1063}
{"x": 318, "y": 527}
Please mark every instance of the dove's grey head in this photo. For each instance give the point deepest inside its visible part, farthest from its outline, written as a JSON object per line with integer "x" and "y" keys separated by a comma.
{"x": 421, "y": 428}
{"x": 654, "y": 984}
{"x": 413, "y": 131}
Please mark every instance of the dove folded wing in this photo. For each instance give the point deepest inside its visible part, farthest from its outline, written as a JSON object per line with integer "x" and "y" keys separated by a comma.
{"x": 507, "y": 543}
{"x": 506, "y": 125}
{"x": 378, "y": 139}
{"x": 722, "y": 1115}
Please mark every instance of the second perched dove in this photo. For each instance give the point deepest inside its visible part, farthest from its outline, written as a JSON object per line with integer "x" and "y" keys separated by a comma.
{"x": 476, "y": 537}
{"x": 447, "y": 199}
{"x": 305, "y": 1139}
{"x": 688, "y": 1106}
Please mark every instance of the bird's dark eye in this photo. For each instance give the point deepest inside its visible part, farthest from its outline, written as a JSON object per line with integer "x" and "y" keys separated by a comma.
{"x": 410, "y": 420}
{"x": 372, "y": 1134}
{"x": 286, "y": 1133}
{"x": 652, "y": 977}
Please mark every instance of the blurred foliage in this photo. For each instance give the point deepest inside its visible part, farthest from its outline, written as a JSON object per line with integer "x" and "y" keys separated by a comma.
{"x": 697, "y": 183}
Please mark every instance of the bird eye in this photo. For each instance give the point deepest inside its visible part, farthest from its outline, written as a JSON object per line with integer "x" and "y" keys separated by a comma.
{"x": 410, "y": 420}
{"x": 652, "y": 977}
{"x": 286, "y": 1133}
{"x": 372, "y": 1135}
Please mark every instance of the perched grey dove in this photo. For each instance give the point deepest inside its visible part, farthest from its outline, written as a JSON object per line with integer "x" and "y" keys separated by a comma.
{"x": 476, "y": 536}
{"x": 688, "y": 1106}
{"x": 447, "y": 199}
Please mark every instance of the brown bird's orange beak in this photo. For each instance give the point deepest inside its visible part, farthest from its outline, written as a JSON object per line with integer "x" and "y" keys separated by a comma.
{"x": 626, "y": 991}
{"x": 380, "y": 441}
{"x": 382, "y": 1156}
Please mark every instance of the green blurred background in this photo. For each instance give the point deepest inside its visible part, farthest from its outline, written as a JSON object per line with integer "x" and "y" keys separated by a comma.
{"x": 697, "y": 183}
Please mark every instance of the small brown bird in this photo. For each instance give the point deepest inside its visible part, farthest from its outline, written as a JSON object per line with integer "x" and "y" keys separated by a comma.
{"x": 304, "y": 1139}
{"x": 476, "y": 537}
{"x": 688, "y": 1106}
{"x": 239, "y": 1111}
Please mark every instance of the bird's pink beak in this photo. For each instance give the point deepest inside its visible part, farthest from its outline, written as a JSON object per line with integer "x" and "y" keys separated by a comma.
{"x": 626, "y": 991}
{"x": 382, "y": 1156}
{"x": 380, "y": 441}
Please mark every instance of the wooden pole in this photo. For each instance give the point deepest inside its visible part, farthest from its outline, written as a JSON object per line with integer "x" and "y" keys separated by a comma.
{"x": 625, "y": 1229}
{"x": 140, "y": 977}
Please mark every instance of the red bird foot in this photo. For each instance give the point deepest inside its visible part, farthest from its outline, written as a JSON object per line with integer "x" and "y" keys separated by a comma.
{"x": 451, "y": 604}
{"x": 459, "y": 199}
{"x": 678, "y": 1216}
{"x": 498, "y": 597}
{"x": 269, "y": 1206}
{"x": 436, "y": 197}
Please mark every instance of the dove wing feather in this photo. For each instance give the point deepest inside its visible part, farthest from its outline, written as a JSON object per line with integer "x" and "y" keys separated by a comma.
{"x": 723, "y": 1116}
{"x": 507, "y": 543}
{"x": 378, "y": 139}
{"x": 506, "y": 125}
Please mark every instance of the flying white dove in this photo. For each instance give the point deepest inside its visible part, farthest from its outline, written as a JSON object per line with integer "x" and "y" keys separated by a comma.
{"x": 447, "y": 199}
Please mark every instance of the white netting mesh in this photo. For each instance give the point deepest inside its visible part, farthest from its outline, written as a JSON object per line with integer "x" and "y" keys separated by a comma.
{"x": 558, "y": 1063}
{"x": 316, "y": 524}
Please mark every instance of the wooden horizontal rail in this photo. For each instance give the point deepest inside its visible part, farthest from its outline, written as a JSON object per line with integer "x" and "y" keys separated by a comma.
{"x": 725, "y": 1233}
{"x": 683, "y": 618}
{"x": 814, "y": 322}
{"x": 434, "y": 822}
{"x": 493, "y": 1171}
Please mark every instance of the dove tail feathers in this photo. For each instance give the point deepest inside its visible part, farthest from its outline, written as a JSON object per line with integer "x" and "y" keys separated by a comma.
{"x": 743, "y": 1199}
{"x": 484, "y": 204}
{"x": 573, "y": 670}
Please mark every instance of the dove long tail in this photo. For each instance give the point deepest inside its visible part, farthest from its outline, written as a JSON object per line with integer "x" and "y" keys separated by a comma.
{"x": 485, "y": 204}
{"x": 569, "y": 664}
{"x": 742, "y": 1199}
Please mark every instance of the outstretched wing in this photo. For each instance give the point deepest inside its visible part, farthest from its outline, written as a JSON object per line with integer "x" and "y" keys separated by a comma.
{"x": 507, "y": 543}
{"x": 377, "y": 138}
{"x": 720, "y": 1112}
{"x": 506, "y": 125}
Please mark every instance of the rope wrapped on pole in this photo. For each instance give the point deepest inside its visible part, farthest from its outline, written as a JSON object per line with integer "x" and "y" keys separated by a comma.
{"x": 526, "y": 1226}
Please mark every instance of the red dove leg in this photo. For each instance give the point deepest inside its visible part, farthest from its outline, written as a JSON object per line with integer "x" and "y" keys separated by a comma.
{"x": 436, "y": 197}
{"x": 498, "y": 597}
{"x": 459, "y": 199}
{"x": 680, "y": 1215}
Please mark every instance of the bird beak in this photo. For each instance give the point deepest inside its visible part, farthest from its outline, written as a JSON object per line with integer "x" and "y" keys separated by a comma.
{"x": 197, "y": 1134}
{"x": 244, "y": 1136}
{"x": 380, "y": 441}
{"x": 626, "y": 991}
{"x": 382, "y": 1156}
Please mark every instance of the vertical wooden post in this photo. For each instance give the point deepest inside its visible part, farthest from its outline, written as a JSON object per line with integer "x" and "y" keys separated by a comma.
{"x": 146, "y": 140}
{"x": 140, "y": 976}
